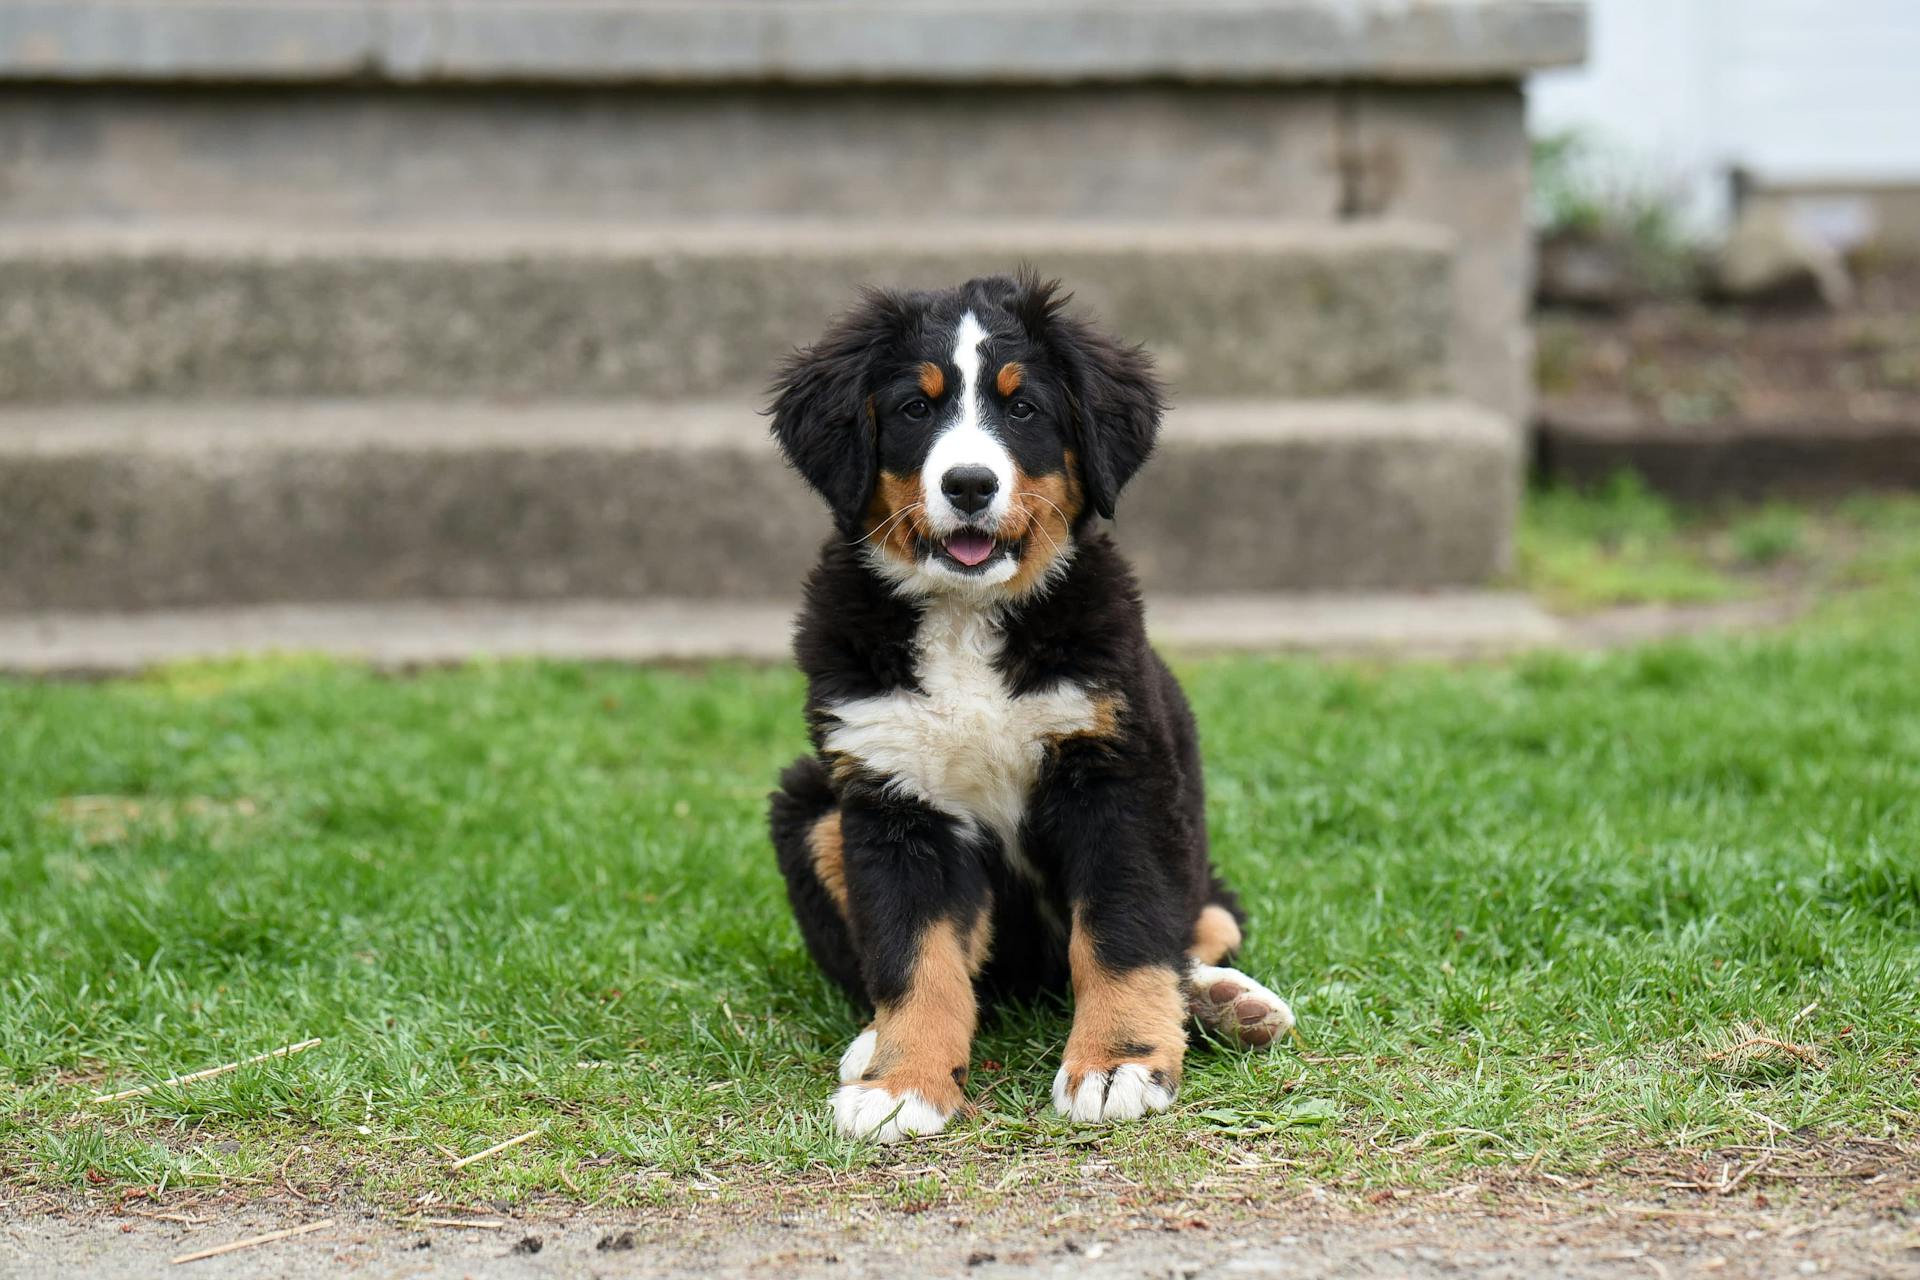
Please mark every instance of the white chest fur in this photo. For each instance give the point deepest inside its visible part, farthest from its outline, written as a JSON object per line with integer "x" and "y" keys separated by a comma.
{"x": 964, "y": 745}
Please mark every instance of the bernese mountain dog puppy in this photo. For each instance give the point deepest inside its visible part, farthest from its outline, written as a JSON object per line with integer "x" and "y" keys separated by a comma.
{"x": 1004, "y": 796}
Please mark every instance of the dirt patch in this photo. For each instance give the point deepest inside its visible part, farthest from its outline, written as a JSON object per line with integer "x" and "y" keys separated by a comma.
{"x": 1447, "y": 1233}
{"x": 1713, "y": 402}
{"x": 1833, "y": 1208}
{"x": 1685, "y": 363}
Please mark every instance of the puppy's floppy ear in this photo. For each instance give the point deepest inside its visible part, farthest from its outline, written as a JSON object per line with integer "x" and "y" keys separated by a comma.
{"x": 823, "y": 411}
{"x": 1116, "y": 400}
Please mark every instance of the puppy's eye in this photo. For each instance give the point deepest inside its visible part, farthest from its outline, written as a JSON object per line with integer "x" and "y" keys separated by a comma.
{"x": 1022, "y": 409}
{"x": 916, "y": 408}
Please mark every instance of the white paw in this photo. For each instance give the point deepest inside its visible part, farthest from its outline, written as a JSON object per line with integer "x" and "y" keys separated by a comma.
{"x": 853, "y": 1063}
{"x": 1237, "y": 1007}
{"x": 860, "y": 1111}
{"x": 1128, "y": 1092}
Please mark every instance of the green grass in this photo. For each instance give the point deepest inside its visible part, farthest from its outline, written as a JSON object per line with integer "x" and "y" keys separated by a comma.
{"x": 1519, "y": 908}
{"x": 1625, "y": 545}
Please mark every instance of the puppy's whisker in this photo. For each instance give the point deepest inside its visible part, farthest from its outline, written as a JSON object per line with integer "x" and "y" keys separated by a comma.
{"x": 1033, "y": 519}
{"x": 1033, "y": 524}
{"x": 890, "y": 521}
{"x": 1050, "y": 502}
{"x": 884, "y": 527}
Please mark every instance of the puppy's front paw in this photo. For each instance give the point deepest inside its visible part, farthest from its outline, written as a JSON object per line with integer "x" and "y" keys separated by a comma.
{"x": 1127, "y": 1091}
{"x": 886, "y": 1094}
{"x": 1229, "y": 1002}
{"x": 870, "y": 1111}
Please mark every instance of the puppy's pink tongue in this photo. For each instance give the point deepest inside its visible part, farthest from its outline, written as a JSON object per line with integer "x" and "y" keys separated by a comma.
{"x": 969, "y": 548}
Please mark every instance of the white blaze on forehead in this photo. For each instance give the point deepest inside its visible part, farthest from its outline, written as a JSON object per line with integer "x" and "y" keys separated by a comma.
{"x": 966, "y": 355}
{"x": 965, "y": 441}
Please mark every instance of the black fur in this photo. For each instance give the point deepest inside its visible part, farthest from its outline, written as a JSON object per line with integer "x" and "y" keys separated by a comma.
{"x": 822, "y": 415}
{"x": 1115, "y": 827}
{"x": 832, "y": 399}
{"x": 1116, "y": 404}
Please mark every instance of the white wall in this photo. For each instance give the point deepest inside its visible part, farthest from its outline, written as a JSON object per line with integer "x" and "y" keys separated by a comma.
{"x": 1798, "y": 91}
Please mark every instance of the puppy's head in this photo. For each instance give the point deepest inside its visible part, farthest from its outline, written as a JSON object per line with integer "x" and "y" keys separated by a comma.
{"x": 964, "y": 437}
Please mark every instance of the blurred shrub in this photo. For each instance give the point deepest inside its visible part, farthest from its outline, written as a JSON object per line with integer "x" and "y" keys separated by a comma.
{"x": 1609, "y": 234}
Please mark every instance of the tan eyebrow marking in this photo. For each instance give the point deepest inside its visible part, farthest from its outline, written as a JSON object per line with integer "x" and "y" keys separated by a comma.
{"x": 1009, "y": 380}
{"x": 932, "y": 380}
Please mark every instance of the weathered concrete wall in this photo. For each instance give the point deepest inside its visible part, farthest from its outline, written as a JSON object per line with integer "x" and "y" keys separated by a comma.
{"x": 1848, "y": 215}
{"x": 1459, "y": 158}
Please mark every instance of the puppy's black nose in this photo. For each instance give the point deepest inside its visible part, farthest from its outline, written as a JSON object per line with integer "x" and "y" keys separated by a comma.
{"x": 969, "y": 489}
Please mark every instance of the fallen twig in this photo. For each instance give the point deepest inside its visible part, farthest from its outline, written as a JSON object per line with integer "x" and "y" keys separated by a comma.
{"x": 1728, "y": 1186}
{"x": 1645, "y": 1211}
{"x": 493, "y": 1150}
{"x": 287, "y": 1182}
{"x": 286, "y": 1051}
{"x": 481, "y": 1224}
{"x": 251, "y": 1241}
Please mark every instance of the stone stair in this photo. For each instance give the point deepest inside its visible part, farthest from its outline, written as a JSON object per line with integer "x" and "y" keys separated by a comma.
{"x": 682, "y": 311}
{"x": 152, "y": 504}
{"x": 277, "y": 334}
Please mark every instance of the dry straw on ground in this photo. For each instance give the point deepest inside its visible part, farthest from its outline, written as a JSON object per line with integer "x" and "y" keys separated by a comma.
{"x": 286, "y": 1051}
{"x": 254, "y": 1241}
{"x": 493, "y": 1150}
{"x": 1752, "y": 1042}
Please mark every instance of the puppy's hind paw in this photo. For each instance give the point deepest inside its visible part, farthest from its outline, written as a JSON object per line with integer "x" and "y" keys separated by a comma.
{"x": 1229, "y": 1003}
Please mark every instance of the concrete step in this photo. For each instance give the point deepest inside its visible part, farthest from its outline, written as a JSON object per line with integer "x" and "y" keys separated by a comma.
{"x": 405, "y": 634}
{"x": 821, "y": 42}
{"x": 683, "y": 310}
{"x": 145, "y": 505}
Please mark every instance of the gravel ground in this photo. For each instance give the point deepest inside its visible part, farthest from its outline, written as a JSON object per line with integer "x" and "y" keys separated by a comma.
{"x": 1421, "y": 1237}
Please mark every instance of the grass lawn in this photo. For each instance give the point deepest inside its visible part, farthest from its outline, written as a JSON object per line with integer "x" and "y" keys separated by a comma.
{"x": 1523, "y": 910}
{"x": 1625, "y": 545}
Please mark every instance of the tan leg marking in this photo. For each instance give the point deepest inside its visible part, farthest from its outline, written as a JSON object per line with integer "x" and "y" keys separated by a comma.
{"x": 1216, "y": 935}
{"x": 829, "y": 859}
{"x": 912, "y": 1080}
{"x": 1129, "y": 1037}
